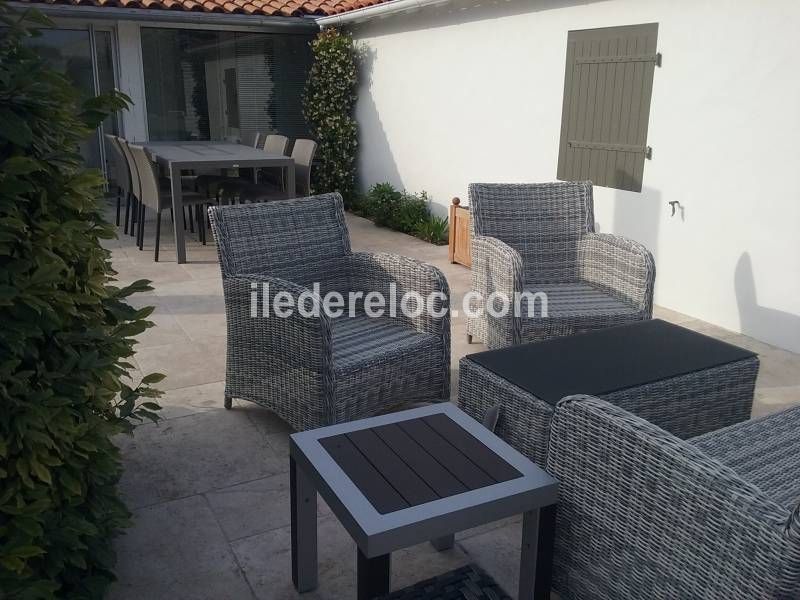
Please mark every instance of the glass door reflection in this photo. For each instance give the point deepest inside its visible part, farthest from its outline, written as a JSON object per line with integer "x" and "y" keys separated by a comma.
{"x": 70, "y": 52}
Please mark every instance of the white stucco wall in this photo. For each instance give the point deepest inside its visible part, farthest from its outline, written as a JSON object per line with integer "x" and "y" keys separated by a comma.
{"x": 464, "y": 93}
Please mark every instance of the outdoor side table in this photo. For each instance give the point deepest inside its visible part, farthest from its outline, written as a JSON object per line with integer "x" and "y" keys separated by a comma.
{"x": 683, "y": 381}
{"x": 400, "y": 479}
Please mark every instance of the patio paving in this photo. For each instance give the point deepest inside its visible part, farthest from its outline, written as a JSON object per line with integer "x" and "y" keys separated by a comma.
{"x": 209, "y": 488}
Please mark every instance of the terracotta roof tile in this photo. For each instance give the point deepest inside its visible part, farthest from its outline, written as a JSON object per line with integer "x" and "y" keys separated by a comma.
{"x": 286, "y": 8}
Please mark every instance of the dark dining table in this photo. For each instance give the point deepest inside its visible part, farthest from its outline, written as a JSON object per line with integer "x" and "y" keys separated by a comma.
{"x": 176, "y": 157}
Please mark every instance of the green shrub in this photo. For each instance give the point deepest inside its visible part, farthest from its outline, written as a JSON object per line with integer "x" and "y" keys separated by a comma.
{"x": 363, "y": 205}
{"x": 384, "y": 202}
{"x": 401, "y": 211}
{"x": 411, "y": 212}
{"x": 65, "y": 337}
{"x": 396, "y": 210}
{"x": 434, "y": 230}
{"x": 328, "y": 102}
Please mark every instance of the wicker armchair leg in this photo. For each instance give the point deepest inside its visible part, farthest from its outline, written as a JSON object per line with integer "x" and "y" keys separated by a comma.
{"x": 469, "y": 338}
{"x": 228, "y": 402}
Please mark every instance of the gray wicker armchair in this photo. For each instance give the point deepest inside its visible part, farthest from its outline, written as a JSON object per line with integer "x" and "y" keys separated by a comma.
{"x": 540, "y": 238}
{"x": 319, "y": 370}
{"x": 643, "y": 514}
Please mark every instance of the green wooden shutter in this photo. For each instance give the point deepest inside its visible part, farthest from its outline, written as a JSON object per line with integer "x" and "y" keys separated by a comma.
{"x": 607, "y": 89}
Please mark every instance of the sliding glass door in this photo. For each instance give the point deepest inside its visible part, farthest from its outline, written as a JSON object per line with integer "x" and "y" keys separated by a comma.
{"x": 86, "y": 57}
{"x": 215, "y": 85}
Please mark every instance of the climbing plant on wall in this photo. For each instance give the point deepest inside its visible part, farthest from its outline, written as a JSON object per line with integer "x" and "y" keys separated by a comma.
{"x": 328, "y": 102}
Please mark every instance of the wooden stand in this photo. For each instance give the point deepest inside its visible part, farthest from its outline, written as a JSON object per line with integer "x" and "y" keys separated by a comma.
{"x": 460, "y": 239}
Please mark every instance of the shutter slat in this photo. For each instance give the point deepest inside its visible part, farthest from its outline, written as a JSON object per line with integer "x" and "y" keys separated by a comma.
{"x": 561, "y": 170}
{"x": 597, "y": 129}
{"x": 621, "y": 172}
{"x": 633, "y": 122}
{"x": 591, "y": 108}
{"x": 608, "y": 107}
{"x": 651, "y": 45}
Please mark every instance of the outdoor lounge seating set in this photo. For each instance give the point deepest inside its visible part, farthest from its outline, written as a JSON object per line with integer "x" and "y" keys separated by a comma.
{"x": 136, "y": 181}
{"x": 665, "y": 488}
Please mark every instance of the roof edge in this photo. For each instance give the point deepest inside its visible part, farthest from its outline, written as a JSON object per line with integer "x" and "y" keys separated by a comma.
{"x": 277, "y": 23}
{"x": 377, "y": 10}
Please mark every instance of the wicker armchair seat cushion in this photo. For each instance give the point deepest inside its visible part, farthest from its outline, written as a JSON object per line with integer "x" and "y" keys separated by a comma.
{"x": 581, "y": 305}
{"x": 361, "y": 341}
{"x": 764, "y": 452}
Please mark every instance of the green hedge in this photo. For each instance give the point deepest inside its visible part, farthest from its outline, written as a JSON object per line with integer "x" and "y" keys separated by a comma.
{"x": 401, "y": 211}
{"x": 328, "y": 102}
{"x": 66, "y": 334}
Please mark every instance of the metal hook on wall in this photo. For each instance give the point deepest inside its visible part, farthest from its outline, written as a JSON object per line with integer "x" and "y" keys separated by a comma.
{"x": 674, "y": 205}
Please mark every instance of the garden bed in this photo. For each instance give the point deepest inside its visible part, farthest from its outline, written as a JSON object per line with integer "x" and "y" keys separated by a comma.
{"x": 402, "y": 211}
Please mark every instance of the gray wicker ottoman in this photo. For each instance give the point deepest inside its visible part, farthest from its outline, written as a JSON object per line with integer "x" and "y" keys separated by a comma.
{"x": 680, "y": 380}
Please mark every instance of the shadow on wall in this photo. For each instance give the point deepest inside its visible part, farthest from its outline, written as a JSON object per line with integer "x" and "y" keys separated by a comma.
{"x": 761, "y": 321}
{"x": 636, "y": 215}
{"x": 376, "y": 163}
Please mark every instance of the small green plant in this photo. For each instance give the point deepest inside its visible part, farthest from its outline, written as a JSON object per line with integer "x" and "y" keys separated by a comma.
{"x": 65, "y": 339}
{"x": 433, "y": 229}
{"x": 412, "y": 211}
{"x": 328, "y": 102}
{"x": 384, "y": 202}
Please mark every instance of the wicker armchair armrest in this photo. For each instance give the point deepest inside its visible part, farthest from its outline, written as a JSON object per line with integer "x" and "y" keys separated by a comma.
{"x": 296, "y": 341}
{"x": 376, "y": 272}
{"x": 679, "y": 516}
{"x": 620, "y": 265}
{"x": 496, "y": 269}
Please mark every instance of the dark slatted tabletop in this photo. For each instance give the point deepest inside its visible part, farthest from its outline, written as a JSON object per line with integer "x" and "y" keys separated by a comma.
{"x": 415, "y": 461}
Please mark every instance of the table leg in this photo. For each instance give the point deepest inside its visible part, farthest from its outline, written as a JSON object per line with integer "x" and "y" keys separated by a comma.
{"x": 444, "y": 543}
{"x": 291, "y": 192}
{"x": 304, "y": 529}
{"x": 536, "y": 561}
{"x": 177, "y": 209}
{"x": 373, "y": 575}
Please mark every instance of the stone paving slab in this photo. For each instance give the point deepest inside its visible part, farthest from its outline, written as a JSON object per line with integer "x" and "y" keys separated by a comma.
{"x": 177, "y": 551}
{"x": 194, "y": 454}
